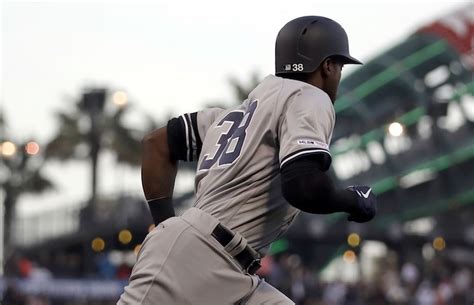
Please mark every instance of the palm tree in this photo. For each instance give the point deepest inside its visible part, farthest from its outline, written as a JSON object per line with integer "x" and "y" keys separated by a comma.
{"x": 96, "y": 124}
{"x": 22, "y": 168}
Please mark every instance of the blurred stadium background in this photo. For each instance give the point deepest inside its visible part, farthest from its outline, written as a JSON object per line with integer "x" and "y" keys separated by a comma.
{"x": 410, "y": 136}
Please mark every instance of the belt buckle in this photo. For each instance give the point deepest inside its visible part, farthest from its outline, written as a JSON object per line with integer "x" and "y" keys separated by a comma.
{"x": 253, "y": 266}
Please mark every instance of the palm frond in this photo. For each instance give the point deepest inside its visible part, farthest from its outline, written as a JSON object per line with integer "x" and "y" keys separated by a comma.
{"x": 63, "y": 145}
{"x": 36, "y": 183}
{"x": 125, "y": 142}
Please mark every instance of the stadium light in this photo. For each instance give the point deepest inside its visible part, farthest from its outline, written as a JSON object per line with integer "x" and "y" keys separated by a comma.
{"x": 395, "y": 129}
{"x": 120, "y": 98}
{"x": 98, "y": 244}
{"x": 125, "y": 237}
{"x": 353, "y": 240}
{"x": 32, "y": 148}
{"x": 349, "y": 257}
{"x": 8, "y": 149}
{"x": 439, "y": 243}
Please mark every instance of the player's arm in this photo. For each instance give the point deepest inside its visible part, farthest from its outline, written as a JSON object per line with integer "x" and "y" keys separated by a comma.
{"x": 306, "y": 186}
{"x": 305, "y": 133}
{"x": 162, "y": 149}
{"x": 180, "y": 140}
{"x": 158, "y": 174}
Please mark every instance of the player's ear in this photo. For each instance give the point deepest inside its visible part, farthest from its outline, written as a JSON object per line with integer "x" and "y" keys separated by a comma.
{"x": 327, "y": 67}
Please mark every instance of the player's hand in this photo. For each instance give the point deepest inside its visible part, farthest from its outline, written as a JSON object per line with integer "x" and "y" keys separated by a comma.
{"x": 366, "y": 204}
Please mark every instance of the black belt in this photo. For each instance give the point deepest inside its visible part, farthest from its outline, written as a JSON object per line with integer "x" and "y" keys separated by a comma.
{"x": 247, "y": 258}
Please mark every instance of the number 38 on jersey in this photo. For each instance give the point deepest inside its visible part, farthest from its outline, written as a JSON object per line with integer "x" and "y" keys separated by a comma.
{"x": 231, "y": 140}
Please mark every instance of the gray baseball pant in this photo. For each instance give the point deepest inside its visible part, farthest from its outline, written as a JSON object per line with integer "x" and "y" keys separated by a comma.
{"x": 180, "y": 263}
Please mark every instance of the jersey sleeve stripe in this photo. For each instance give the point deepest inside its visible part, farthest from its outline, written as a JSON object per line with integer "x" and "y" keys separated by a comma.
{"x": 187, "y": 132}
{"x": 303, "y": 152}
{"x": 191, "y": 145}
{"x": 196, "y": 134}
{"x": 192, "y": 139}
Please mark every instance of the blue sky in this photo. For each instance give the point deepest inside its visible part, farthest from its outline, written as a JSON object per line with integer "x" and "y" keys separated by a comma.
{"x": 170, "y": 56}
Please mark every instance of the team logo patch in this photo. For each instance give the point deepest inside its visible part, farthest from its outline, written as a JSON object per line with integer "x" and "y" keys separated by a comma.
{"x": 312, "y": 143}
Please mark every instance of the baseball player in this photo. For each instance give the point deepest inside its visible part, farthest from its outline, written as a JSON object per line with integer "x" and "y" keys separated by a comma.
{"x": 259, "y": 165}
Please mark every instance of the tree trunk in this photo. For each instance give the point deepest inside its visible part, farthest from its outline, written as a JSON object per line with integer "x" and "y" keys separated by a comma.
{"x": 9, "y": 214}
{"x": 94, "y": 168}
{"x": 95, "y": 136}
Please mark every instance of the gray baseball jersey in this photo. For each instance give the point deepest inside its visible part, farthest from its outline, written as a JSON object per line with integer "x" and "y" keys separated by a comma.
{"x": 240, "y": 151}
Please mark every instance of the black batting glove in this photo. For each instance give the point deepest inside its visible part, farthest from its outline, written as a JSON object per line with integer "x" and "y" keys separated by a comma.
{"x": 365, "y": 208}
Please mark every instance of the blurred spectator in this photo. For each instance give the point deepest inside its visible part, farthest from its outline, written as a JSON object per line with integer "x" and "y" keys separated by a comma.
{"x": 434, "y": 282}
{"x": 12, "y": 295}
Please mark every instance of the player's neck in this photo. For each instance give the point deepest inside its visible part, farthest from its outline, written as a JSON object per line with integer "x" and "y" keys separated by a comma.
{"x": 316, "y": 80}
